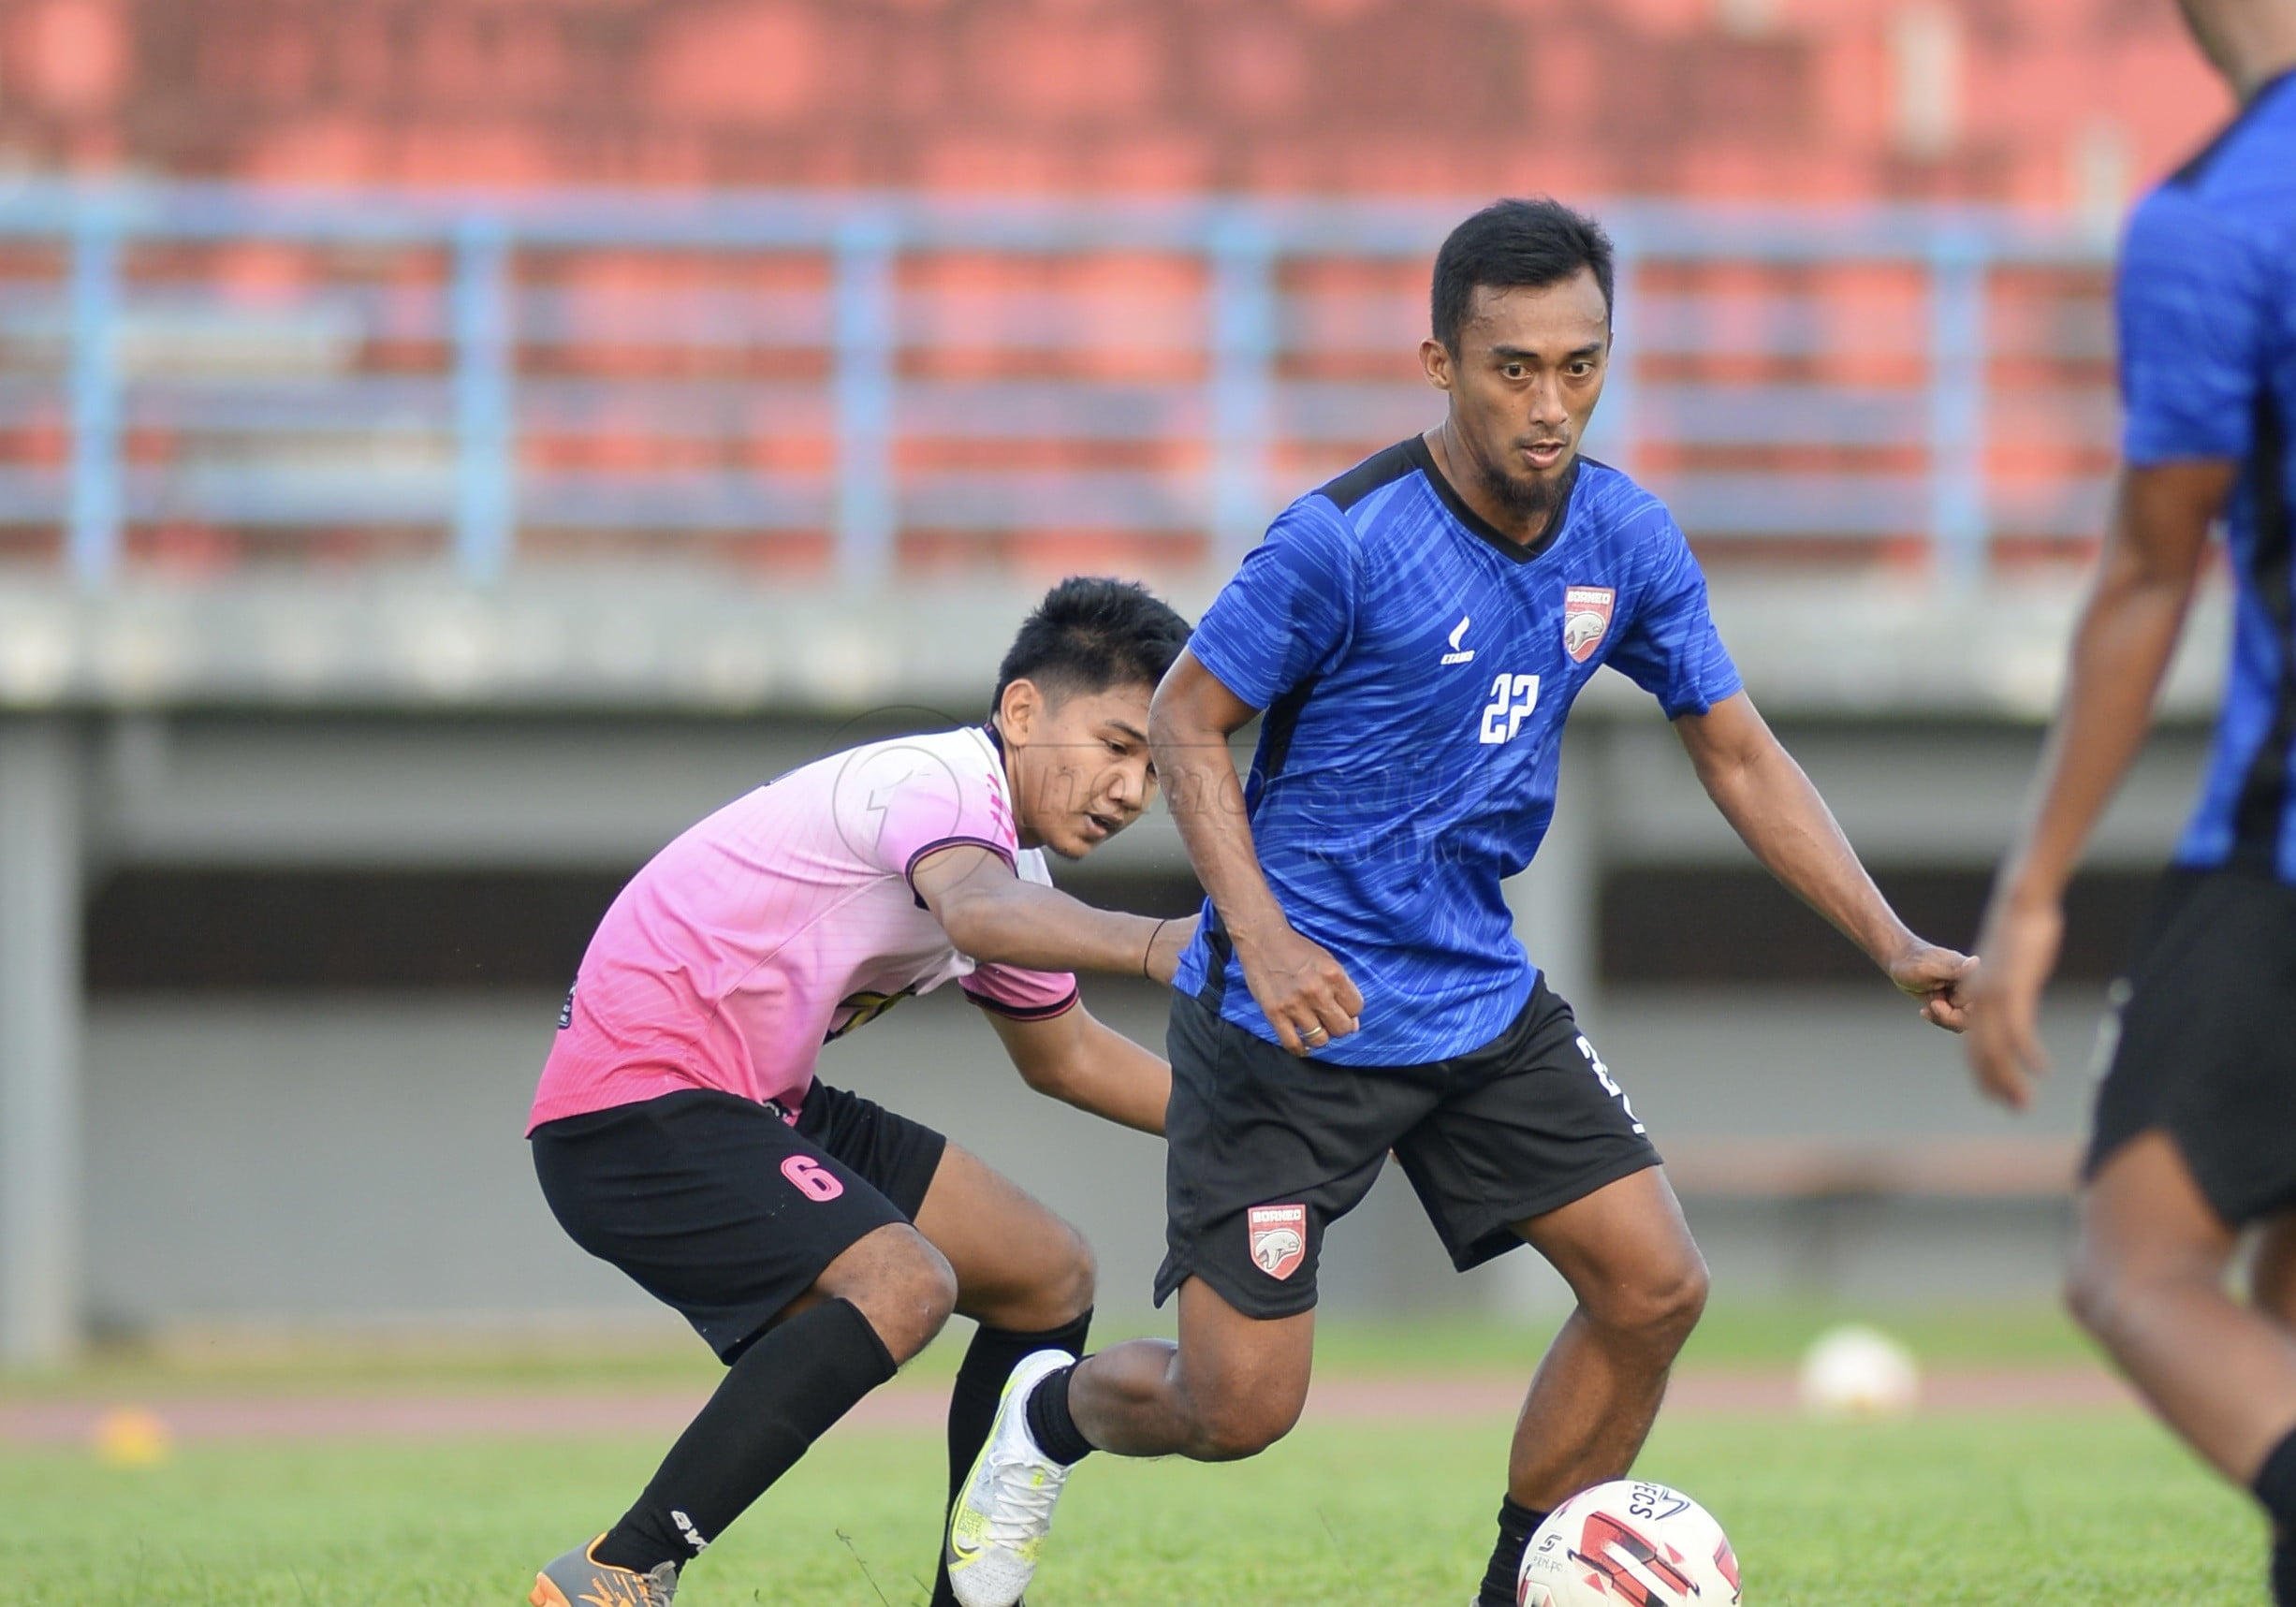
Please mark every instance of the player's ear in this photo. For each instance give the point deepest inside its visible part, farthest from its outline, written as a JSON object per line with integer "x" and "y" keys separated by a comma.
{"x": 1018, "y": 710}
{"x": 1434, "y": 357}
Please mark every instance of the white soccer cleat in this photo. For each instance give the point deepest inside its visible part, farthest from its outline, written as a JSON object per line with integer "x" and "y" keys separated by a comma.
{"x": 998, "y": 1526}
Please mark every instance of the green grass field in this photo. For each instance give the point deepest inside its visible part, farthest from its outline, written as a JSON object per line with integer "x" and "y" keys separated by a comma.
{"x": 2012, "y": 1509}
{"x": 2015, "y": 1511}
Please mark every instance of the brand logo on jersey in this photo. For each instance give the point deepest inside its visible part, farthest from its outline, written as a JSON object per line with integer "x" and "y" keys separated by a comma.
{"x": 1457, "y": 653}
{"x": 1586, "y": 617}
{"x": 566, "y": 1012}
{"x": 1001, "y": 812}
{"x": 1279, "y": 1238}
{"x": 866, "y": 1006}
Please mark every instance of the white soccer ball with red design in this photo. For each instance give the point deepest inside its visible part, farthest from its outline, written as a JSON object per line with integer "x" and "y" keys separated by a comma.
{"x": 1629, "y": 1543}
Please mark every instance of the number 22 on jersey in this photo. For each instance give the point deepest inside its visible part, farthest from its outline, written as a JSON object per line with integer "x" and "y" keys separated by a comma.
{"x": 1513, "y": 698}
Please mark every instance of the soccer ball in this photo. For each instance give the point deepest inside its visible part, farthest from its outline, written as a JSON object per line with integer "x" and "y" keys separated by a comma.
{"x": 1629, "y": 1543}
{"x": 1855, "y": 1371}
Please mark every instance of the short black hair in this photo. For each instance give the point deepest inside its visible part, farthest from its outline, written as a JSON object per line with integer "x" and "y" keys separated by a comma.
{"x": 1511, "y": 244}
{"x": 1089, "y": 633}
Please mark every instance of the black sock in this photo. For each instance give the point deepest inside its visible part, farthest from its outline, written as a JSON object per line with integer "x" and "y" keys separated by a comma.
{"x": 2275, "y": 1486}
{"x": 1056, "y": 1433}
{"x": 2275, "y": 1483}
{"x": 782, "y": 1395}
{"x": 973, "y": 1404}
{"x": 1516, "y": 1523}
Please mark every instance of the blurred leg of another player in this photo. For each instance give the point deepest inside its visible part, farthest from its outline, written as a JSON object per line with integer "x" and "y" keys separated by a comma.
{"x": 2149, "y": 1281}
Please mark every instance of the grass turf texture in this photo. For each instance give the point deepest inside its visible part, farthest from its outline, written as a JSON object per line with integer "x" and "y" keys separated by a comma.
{"x": 1770, "y": 1333}
{"x": 1966, "y": 1511}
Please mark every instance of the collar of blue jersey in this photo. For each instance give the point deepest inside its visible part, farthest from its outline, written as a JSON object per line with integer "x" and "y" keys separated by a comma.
{"x": 1476, "y": 524}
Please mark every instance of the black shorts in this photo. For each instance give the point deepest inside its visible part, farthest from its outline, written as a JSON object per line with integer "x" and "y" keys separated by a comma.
{"x": 721, "y": 1207}
{"x": 2201, "y": 1041}
{"x": 1266, "y": 1151}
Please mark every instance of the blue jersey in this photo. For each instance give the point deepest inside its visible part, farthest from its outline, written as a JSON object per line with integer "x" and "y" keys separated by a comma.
{"x": 2207, "y": 313}
{"x": 1415, "y": 666}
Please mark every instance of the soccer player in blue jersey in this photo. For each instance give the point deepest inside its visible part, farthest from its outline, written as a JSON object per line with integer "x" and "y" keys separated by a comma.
{"x": 2195, "y": 1133}
{"x": 1416, "y": 632}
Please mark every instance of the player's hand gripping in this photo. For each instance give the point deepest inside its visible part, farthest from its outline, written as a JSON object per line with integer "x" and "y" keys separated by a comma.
{"x": 2019, "y": 942}
{"x": 1940, "y": 978}
{"x": 1306, "y": 997}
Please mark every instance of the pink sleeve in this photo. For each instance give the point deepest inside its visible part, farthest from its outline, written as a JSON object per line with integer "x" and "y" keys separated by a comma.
{"x": 898, "y": 803}
{"x": 1024, "y": 995}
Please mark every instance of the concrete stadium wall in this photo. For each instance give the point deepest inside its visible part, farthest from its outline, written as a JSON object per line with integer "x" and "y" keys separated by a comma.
{"x": 341, "y": 1160}
{"x": 329, "y": 1157}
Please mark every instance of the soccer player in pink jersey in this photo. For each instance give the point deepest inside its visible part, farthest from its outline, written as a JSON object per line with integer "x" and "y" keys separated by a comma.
{"x": 815, "y": 1239}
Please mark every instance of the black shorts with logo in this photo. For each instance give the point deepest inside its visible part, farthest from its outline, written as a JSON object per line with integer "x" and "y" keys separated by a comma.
{"x": 720, "y": 1207}
{"x": 1266, "y": 1151}
{"x": 2201, "y": 1040}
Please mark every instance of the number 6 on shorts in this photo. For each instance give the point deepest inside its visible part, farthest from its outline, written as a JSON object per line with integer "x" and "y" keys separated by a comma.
{"x": 813, "y": 1180}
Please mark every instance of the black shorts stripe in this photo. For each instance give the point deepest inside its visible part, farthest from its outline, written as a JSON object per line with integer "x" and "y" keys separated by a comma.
{"x": 2260, "y": 815}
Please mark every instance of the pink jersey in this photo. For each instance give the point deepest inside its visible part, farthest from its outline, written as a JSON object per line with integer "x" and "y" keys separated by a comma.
{"x": 784, "y": 920}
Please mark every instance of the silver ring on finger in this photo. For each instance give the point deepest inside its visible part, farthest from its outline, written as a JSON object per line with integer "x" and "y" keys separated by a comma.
{"x": 1313, "y": 1033}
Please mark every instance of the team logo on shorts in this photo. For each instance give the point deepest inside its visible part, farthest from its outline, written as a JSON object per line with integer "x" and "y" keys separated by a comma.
{"x": 1279, "y": 1238}
{"x": 1586, "y": 616}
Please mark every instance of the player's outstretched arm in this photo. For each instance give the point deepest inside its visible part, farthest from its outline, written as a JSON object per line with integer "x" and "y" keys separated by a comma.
{"x": 993, "y": 916}
{"x": 1306, "y": 997}
{"x": 1084, "y": 1063}
{"x": 2121, "y": 646}
{"x": 1770, "y": 803}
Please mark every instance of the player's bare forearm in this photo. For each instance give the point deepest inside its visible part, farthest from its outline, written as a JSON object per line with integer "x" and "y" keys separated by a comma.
{"x": 1306, "y": 997}
{"x": 993, "y": 916}
{"x": 2122, "y": 644}
{"x": 1190, "y": 723}
{"x": 1081, "y": 1061}
{"x": 1774, "y": 807}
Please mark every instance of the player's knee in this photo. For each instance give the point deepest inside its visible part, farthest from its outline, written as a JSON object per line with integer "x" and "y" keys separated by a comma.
{"x": 1078, "y": 1285}
{"x": 904, "y": 1287}
{"x": 1662, "y": 1305}
{"x": 2089, "y": 1296}
{"x": 2097, "y": 1290}
{"x": 1239, "y": 1429}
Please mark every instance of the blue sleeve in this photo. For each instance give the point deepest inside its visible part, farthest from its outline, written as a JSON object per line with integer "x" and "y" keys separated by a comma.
{"x": 1289, "y": 610}
{"x": 2192, "y": 301}
{"x": 1670, "y": 648}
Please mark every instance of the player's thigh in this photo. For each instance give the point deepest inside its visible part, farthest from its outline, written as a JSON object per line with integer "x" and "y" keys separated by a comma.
{"x": 1017, "y": 1265}
{"x": 1532, "y": 1123}
{"x": 2142, "y": 1217}
{"x": 712, "y": 1204}
{"x": 1626, "y": 1252}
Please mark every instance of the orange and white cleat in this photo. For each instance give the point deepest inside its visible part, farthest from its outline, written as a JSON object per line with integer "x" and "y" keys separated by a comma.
{"x": 578, "y": 1579}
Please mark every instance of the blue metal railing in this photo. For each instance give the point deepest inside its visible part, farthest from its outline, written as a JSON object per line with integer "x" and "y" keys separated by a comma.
{"x": 1777, "y": 406}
